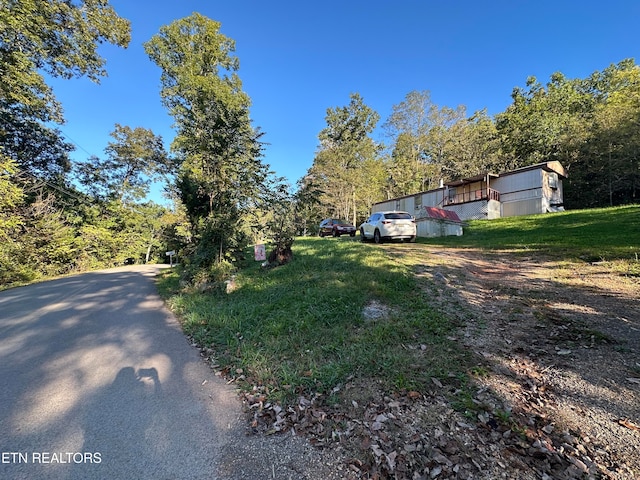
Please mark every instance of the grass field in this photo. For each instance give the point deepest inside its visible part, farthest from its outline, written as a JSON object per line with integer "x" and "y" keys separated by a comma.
{"x": 594, "y": 235}
{"x": 300, "y": 328}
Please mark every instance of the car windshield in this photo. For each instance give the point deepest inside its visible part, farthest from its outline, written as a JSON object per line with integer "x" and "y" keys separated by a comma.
{"x": 397, "y": 216}
{"x": 340, "y": 222}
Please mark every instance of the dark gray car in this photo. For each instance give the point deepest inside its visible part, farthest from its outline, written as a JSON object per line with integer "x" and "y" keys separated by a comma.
{"x": 336, "y": 227}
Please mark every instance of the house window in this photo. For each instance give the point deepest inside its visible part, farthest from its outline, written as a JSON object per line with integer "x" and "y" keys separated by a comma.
{"x": 417, "y": 201}
{"x": 553, "y": 180}
{"x": 397, "y": 205}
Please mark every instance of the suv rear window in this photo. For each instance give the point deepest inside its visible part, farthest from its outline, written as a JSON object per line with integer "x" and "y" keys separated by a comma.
{"x": 397, "y": 216}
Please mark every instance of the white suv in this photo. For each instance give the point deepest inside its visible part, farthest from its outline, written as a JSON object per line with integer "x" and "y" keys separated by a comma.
{"x": 389, "y": 226}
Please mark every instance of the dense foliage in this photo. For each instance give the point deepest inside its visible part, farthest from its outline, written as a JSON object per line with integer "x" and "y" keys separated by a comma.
{"x": 50, "y": 225}
{"x": 221, "y": 174}
{"x": 591, "y": 125}
{"x": 57, "y": 215}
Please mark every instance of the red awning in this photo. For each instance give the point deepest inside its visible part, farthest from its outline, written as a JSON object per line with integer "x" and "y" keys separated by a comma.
{"x": 442, "y": 214}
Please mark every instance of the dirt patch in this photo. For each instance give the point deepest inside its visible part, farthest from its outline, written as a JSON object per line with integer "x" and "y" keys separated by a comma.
{"x": 560, "y": 344}
{"x": 374, "y": 310}
{"x": 555, "y": 393}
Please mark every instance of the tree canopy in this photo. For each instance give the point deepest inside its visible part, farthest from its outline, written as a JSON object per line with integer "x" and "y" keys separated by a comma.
{"x": 60, "y": 37}
{"x": 135, "y": 158}
{"x": 217, "y": 145}
{"x": 345, "y": 164}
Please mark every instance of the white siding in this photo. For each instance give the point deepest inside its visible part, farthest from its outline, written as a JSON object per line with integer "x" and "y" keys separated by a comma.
{"x": 432, "y": 198}
{"x": 493, "y": 210}
{"x": 535, "y": 189}
{"x": 522, "y": 207}
{"x": 520, "y": 193}
{"x": 429, "y": 227}
{"x": 518, "y": 184}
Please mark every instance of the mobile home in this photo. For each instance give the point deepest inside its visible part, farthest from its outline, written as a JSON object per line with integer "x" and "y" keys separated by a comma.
{"x": 528, "y": 190}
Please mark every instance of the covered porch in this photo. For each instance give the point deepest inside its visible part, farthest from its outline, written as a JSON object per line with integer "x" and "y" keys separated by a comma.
{"x": 470, "y": 189}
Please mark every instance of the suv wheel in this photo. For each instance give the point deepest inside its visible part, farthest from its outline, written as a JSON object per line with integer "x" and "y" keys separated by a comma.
{"x": 376, "y": 236}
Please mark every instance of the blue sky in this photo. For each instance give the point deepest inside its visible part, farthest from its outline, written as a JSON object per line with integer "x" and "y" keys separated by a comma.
{"x": 298, "y": 58}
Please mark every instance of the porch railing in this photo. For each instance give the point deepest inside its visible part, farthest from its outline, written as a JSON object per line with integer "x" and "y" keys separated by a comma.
{"x": 472, "y": 196}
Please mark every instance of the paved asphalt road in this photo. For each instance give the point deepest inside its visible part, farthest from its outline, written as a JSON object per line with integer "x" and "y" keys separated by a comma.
{"x": 98, "y": 382}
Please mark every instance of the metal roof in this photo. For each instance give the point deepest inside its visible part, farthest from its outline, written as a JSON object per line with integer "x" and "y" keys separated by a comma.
{"x": 442, "y": 214}
{"x": 477, "y": 178}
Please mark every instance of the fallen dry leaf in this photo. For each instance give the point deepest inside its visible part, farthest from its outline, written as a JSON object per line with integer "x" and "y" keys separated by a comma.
{"x": 377, "y": 450}
{"x": 391, "y": 460}
{"x": 413, "y": 395}
{"x": 626, "y": 423}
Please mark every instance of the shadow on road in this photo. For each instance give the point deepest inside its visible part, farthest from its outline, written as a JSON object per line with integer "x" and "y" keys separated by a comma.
{"x": 101, "y": 383}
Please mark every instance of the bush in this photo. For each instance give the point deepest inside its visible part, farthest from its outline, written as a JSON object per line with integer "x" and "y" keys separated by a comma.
{"x": 211, "y": 280}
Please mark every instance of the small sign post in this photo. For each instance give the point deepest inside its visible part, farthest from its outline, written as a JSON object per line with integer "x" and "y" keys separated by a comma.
{"x": 260, "y": 252}
{"x": 170, "y": 254}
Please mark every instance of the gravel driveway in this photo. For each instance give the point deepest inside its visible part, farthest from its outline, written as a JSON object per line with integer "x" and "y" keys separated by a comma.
{"x": 561, "y": 347}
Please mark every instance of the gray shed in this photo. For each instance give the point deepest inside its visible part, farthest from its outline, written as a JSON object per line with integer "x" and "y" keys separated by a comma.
{"x": 437, "y": 222}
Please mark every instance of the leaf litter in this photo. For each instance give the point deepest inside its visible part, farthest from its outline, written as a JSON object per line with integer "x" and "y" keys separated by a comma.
{"x": 535, "y": 414}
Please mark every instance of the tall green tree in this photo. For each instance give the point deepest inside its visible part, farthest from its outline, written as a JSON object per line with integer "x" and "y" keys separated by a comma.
{"x": 135, "y": 158}
{"x": 346, "y": 149}
{"x": 309, "y": 207}
{"x": 219, "y": 149}
{"x": 11, "y": 195}
{"x": 38, "y": 151}
{"x": 614, "y": 147}
{"x": 545, "y": 122}
{"x": 408, "y": 127}
{"x": 61, "y": 38}
{"x": 423, "y": 140}
{"x": 474, "y": 148}
{"x": 589, "y": 125}
{"x": 48, "y": 242}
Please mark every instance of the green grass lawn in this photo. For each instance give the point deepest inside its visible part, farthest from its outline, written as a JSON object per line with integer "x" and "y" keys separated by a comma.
{"x": 598, "y": 234}
{"x": 300, "y": 328}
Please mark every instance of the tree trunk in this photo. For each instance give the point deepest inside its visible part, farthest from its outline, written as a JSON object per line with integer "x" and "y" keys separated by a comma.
{"x": 280, "y": 256}
{"x": 610, "y": 179}
{"x": 355, "y": 213}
